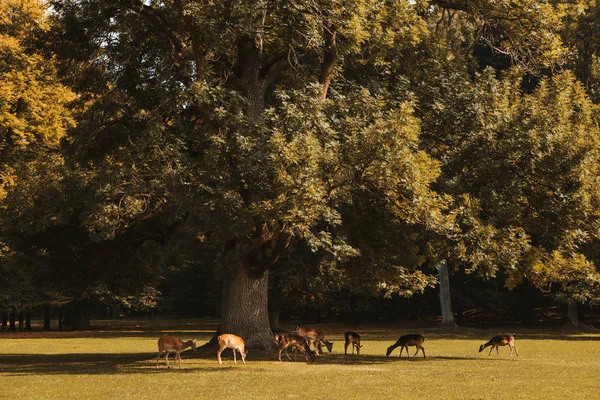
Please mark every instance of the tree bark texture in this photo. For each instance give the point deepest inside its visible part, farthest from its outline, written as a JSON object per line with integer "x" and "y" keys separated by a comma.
{"x": 572, "y": 314}
{"x": 244, "y": 305}
{"x": 445, "y": 299}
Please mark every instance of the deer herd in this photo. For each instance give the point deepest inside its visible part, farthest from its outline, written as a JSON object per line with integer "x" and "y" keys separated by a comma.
{"x": 301, "y": 340}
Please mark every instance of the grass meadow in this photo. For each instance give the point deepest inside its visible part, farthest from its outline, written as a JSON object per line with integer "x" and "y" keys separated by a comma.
{"x": 118, "y": 360}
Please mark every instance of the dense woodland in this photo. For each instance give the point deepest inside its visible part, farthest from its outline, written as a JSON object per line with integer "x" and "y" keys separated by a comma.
{"x": 257, "y": 160}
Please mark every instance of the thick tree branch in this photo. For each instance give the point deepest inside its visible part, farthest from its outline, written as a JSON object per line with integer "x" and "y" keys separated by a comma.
{"x": 327, "y": 66}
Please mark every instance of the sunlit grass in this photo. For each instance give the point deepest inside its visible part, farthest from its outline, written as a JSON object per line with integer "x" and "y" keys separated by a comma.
{"x": 122, "y": 364}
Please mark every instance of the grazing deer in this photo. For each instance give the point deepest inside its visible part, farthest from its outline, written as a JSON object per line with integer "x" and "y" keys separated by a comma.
{"x": 315, "y": 336}
{"x": 285, "y": 340}
{"x": 354, "y": 339}
{"x": 501, "y": 340}
{"x": 232, "y": 342}
{"x": 170, "y": 344}
{"x": 413, "y": 339}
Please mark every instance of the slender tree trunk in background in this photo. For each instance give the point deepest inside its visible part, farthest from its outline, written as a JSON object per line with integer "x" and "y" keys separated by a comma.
{"x": 12, "y": 322}
{"x": 46, "y": 314}
{"x": 572, "y": 314}
{"x": 21, "y": 321}
{"x": 61, "y": 317}
{"x": 28, "y": 320}
{"x": 244, "y": 305}
{"x": 4, "y": 320}
{"x": 274, "y": 313}
{"x": 445, "y": 299}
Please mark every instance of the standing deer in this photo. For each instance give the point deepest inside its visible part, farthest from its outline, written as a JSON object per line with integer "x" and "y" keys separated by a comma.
{"x": 501, "y": 340}
{"x": 285, "y": 340}
{"x": 232, "y": 342}
{"x": 413, "y": 339}
{"x": 354, "y": 339}
{"x": 169, "y": 344}
{"x": 315, "y": 336}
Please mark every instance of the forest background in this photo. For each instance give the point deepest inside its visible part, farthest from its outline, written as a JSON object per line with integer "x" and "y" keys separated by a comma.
{"x": 256, "y": 160}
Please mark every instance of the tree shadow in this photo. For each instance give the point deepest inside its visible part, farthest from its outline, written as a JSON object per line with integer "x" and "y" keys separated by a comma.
{"x": 88, "y": 364}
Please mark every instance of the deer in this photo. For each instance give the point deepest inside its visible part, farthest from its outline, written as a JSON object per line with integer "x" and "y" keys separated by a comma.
{"x": 169, "y": 344}
{"x": 352, "y": 338}
{"x": 413, "y": 339}
{"x": 315, "y": 336}
{"x": 285, "y": 340}
{"x": 501, "y": 340}
{"x": 232, "y": 342}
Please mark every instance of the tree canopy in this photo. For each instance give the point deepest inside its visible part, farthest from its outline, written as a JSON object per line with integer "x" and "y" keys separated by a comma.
{"x": 352, "y": 144}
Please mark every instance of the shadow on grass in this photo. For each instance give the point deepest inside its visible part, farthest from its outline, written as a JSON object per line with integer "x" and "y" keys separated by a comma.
{"x": 144, "y": 363}
{"x": 93, "y": 364}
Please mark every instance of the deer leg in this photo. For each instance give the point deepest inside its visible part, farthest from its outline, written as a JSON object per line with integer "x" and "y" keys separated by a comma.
{"x": 415, "y": 351}
{"x": 490, "y": 353}
{"x": 346, "y": 348}
{"x": 167, "y": 359}
{"x": 423, "y": 350}
{"x": 179, "y": 358}
{"x": 157, "y": 359}
{"x": 219, "y": 354}
{"x": 516, "y": 350}
{"x": 243, "y": 356}
{"x": 234, "y": 358}
{"x": 305, "y": 354}
{"x": 497, "y": 350}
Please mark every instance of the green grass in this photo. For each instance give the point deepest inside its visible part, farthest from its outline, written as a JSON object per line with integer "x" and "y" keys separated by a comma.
{"x": 102, "y": 364}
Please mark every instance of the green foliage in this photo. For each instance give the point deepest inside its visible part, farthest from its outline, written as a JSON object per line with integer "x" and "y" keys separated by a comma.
{"x": 373, "y": 137}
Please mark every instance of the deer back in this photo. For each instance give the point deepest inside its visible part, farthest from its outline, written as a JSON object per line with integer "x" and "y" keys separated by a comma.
{"x": 232, "y": 341}
{"x": 352, "y": 337}
{"x": 411, "y": 339}
{"x": 170, "y": 343}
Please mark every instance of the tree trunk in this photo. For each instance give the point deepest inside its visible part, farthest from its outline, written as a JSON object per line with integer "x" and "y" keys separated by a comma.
{"x": 445, "y": 299}
{"x": 21, "y": 321}
{"x": 572, "y": 314}
{"x": 28, "y": 320}
{"x": 4, "y": 320}
{"x": 61, "y": 316}
{"x": 12, "y": 322}
{"x": 274, "y": 313}
{"x": 244, "y": 305}
{"x": 46, "y": 314}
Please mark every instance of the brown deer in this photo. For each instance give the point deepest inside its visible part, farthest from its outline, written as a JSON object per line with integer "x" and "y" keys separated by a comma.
{"x": 352, "y": 338}
{"x": 285, "y": 340}
{"x": 413, "y": 339}
{"x": 232, "y": 342}
{"x": 169, "y": 344}
{"x": 316, "y": 337}
{"x": 501, "y": 340}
